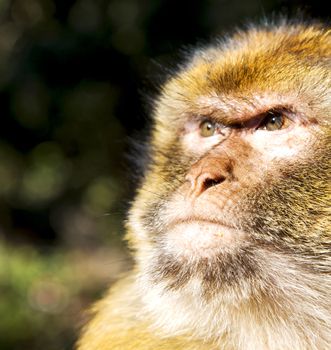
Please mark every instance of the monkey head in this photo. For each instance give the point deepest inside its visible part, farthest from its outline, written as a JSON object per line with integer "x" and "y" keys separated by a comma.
{"x": 232, "y": 221}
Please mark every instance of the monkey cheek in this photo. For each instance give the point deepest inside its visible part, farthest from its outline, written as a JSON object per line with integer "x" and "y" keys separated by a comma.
{"x": 196, "y": 240}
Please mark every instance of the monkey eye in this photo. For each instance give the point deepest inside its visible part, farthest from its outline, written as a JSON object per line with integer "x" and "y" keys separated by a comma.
{"x": 273, "y": 120}
{"x": 207, "y": 128}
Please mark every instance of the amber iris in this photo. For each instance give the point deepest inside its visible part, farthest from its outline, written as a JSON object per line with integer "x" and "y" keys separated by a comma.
{"x": 207, "y": 128}
{"x": 273, "y": 121}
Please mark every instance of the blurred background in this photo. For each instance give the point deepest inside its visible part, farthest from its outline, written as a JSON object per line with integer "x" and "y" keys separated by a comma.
{"x": 74, "y": 76}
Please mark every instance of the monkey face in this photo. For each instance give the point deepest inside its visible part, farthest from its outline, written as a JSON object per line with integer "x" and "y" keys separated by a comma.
{"x": 239, "y": 183}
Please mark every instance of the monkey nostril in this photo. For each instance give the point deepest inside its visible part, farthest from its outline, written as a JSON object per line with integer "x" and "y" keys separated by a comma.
{"x": 203, "y": 182}
{"x": 200, "y": 179}
{"x": 210, "y": 182}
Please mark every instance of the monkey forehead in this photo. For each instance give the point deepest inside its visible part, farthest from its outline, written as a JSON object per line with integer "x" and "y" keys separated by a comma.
{"x": 289, "y": 63}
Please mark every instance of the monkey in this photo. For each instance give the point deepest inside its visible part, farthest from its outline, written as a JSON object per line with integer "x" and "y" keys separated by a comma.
{"x": 230, "y": 227}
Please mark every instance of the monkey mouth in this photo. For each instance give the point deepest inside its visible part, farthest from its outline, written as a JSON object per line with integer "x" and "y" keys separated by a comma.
{"x": 201, "y": 237}
{"x": 197, "y": 219}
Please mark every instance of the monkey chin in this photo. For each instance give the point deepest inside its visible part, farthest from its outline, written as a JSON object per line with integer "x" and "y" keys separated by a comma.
{"x": 196, "y": 239}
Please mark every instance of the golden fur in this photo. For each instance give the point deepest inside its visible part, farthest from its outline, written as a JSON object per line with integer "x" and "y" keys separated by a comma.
{"x": 279, "y": 298}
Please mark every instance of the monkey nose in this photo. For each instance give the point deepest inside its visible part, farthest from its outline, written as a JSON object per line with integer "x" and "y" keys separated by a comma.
{"x": 202, "y": 181}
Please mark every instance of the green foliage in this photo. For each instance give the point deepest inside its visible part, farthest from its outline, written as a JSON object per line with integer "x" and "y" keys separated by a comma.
{"x": 43, "y": 294}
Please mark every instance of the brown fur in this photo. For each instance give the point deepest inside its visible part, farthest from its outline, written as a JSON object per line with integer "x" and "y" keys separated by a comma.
{"x": 273, "y": 292}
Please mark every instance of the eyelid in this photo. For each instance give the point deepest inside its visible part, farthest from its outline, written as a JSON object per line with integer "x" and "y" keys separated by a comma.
{"x": 257, "y": 121}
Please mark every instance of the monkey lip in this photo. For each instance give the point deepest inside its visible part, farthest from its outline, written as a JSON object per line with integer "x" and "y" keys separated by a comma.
{"x": 200, "y": 235}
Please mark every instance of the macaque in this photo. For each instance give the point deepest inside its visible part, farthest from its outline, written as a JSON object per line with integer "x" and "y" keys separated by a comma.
{"x": 230, "y": 228}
